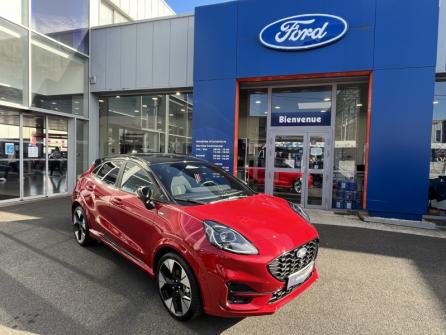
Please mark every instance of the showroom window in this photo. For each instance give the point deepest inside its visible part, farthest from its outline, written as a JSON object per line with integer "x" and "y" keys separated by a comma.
{"x": 13, "y": 63}
{"x": 350, "y": 146}
{"x": 252, "y": 137}
{"x": 180, "y": 122}
{"x": 9, "y": 155}
{"x": 437, "y": 171}
{"x": 58, "y": 78}
{"x": 308, "y": 100}
{"x": 81, "y": 147}
{"x": 66, "y": 21}
{"x": 146, "y": 124}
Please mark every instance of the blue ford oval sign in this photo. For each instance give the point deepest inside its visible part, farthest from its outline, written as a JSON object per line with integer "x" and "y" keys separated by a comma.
{"x": 303, "y": 32}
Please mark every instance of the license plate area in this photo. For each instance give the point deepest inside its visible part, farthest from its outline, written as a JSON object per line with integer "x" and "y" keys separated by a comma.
{"x": 300, "y": 276}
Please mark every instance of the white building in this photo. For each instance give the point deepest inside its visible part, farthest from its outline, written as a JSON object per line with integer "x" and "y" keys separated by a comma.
{"x": 104, "y": 12}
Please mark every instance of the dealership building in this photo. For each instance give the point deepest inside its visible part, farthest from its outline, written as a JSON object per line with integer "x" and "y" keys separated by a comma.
{"x": 335, "y": 105}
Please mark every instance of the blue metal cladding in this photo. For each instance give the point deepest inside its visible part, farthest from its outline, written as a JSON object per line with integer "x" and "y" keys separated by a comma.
{"x": 395, "y": 39}
{"x": 399, "y": 148}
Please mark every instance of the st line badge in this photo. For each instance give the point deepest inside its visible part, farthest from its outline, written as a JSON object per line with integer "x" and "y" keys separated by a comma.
{"x": 303, "y": 32}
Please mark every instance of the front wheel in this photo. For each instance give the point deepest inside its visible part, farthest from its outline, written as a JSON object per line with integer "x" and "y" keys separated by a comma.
{"x": 177, "y": 287}
{"x": 80, "y": 227}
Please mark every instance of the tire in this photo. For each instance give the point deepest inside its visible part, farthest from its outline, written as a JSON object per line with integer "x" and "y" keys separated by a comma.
{"x": 80, "y": 227}
{"x": 177, "y": 287}
{"x": 297, "y": 186}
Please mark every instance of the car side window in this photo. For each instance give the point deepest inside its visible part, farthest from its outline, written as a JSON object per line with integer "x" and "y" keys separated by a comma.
{"x": 109, "y": 172}
{"x": 135, "y": 176}
{"x": 96, "y": 170}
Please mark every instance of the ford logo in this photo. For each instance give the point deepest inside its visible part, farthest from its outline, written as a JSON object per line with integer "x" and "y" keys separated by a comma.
{"x": 303, "y": 32}
{"x": 301, "y": 252}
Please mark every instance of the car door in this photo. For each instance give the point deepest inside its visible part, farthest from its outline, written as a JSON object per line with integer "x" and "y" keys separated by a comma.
{"x": 101, "y": 189}
{"x": 136, "y": 224}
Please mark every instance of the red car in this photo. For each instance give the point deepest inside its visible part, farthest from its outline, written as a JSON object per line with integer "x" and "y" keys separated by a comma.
{"x": 290, "y": 181}
{"x": 212, "y": 243}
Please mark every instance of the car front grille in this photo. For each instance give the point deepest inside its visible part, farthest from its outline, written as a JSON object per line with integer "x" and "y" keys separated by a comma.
{"x": 288, "y": 263}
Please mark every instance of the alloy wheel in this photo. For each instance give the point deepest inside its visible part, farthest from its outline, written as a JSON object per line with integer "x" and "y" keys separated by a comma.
{"x": 297, "y": 186}
{"x": 79, "y": 226}
{"x": 175, "y": 288}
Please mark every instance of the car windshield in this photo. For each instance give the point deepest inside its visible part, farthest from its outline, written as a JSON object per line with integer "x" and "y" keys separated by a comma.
{"x": 199, "y": 183}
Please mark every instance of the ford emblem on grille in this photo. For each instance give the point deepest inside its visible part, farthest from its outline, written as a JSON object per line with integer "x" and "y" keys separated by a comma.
{"x": 301, "y": 252}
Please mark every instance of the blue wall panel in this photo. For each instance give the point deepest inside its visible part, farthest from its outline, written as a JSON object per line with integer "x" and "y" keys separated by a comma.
{"x": 399, "y": 151}
{"x": 215, "y": 42}
{"x": 215, "y": 101}
{"x": 353, "y": 52}
{"x": 406, "y": 33}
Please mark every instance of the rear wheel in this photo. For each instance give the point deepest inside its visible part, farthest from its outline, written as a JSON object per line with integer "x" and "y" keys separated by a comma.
{"x": 177, "y": 287}
{"x": 80, "y": 227}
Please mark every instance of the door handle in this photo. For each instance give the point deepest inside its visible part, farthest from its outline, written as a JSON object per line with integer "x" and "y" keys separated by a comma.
{"x": 90, "y": 188}
{"x": 116, "y": 201}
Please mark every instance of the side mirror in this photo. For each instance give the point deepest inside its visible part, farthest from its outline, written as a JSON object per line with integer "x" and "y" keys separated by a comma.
{"x": 144, "y": 193}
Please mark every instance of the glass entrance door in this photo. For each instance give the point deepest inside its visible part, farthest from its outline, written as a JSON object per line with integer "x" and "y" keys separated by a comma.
{"x": 297, "y": 169}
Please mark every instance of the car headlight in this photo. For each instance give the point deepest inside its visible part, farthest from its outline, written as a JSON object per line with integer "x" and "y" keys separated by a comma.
{"x": 299, "y": 210}
{"x": 228, "y": 239}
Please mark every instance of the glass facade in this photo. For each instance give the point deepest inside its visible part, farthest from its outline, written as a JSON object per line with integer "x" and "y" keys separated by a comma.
{"x": 15, "y": 11}
{"x": 57, "y": 150}
{"x": 81, "y": 147}
{"x": 58, "y": 78}
{"x": 437, "y": 173}
{"x": 9, "y": 155}
{"x": 34, "y": 154}
{"x": 302, "y": 154}
{"x": 308, "y": 101}
{"x": 13, "y": 63}
{"x": 253, "y": 112}
{"x": 350, "y": 145}
{"x": 51, "y": 77}
{"x": 145, "y": 124}
{"x": 63, "y": 20}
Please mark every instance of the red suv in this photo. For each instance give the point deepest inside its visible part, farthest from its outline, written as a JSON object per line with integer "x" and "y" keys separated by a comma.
{"x": 212, "y": 243}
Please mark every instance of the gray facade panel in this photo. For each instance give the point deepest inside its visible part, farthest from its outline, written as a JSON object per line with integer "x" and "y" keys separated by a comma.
{"x": 113, "y": 59}
{"x": 144, "y": 55}
{"x": 161, "y": 53}
{"x": 156, "y": 54}
{"x": 98, "y": 48}
{"x": 128, "y": 56}
{"x": 178, "y": 48}
{"x": 190, "y": 50}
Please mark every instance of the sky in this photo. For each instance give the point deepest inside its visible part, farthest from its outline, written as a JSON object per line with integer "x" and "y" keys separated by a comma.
{"x": 187, "y": 6}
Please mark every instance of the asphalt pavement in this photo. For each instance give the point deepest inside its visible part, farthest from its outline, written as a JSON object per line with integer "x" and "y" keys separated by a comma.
{"x": 372, "y": 281}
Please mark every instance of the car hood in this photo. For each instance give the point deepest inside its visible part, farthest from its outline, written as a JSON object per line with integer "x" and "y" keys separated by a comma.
{"x": 259, "y": 217}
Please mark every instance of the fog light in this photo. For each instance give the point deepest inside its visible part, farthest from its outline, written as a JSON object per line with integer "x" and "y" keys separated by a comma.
{"x": 239, "y": 293}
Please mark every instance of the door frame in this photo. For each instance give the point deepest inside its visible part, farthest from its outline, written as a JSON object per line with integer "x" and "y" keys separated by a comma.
{"x": 326, "y": 131}
{"x": 326, "y": 172}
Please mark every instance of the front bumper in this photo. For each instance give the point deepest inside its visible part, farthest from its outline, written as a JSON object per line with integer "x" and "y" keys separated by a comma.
{"x": 266, "y": 294}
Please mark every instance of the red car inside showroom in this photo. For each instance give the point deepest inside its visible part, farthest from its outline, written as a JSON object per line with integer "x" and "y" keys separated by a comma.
{"x": 189, "y": 224}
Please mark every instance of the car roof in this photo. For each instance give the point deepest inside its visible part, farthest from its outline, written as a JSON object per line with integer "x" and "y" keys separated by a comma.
{"x": 156, "y": 158}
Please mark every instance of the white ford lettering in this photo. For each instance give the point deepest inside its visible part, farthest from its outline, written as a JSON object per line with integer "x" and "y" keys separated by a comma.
{"x": 296, "y": 31}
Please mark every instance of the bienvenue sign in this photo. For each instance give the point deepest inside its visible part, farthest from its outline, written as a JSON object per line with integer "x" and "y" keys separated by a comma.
{"x": 300, "y": 119}
{"x": 303, "y": 32}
